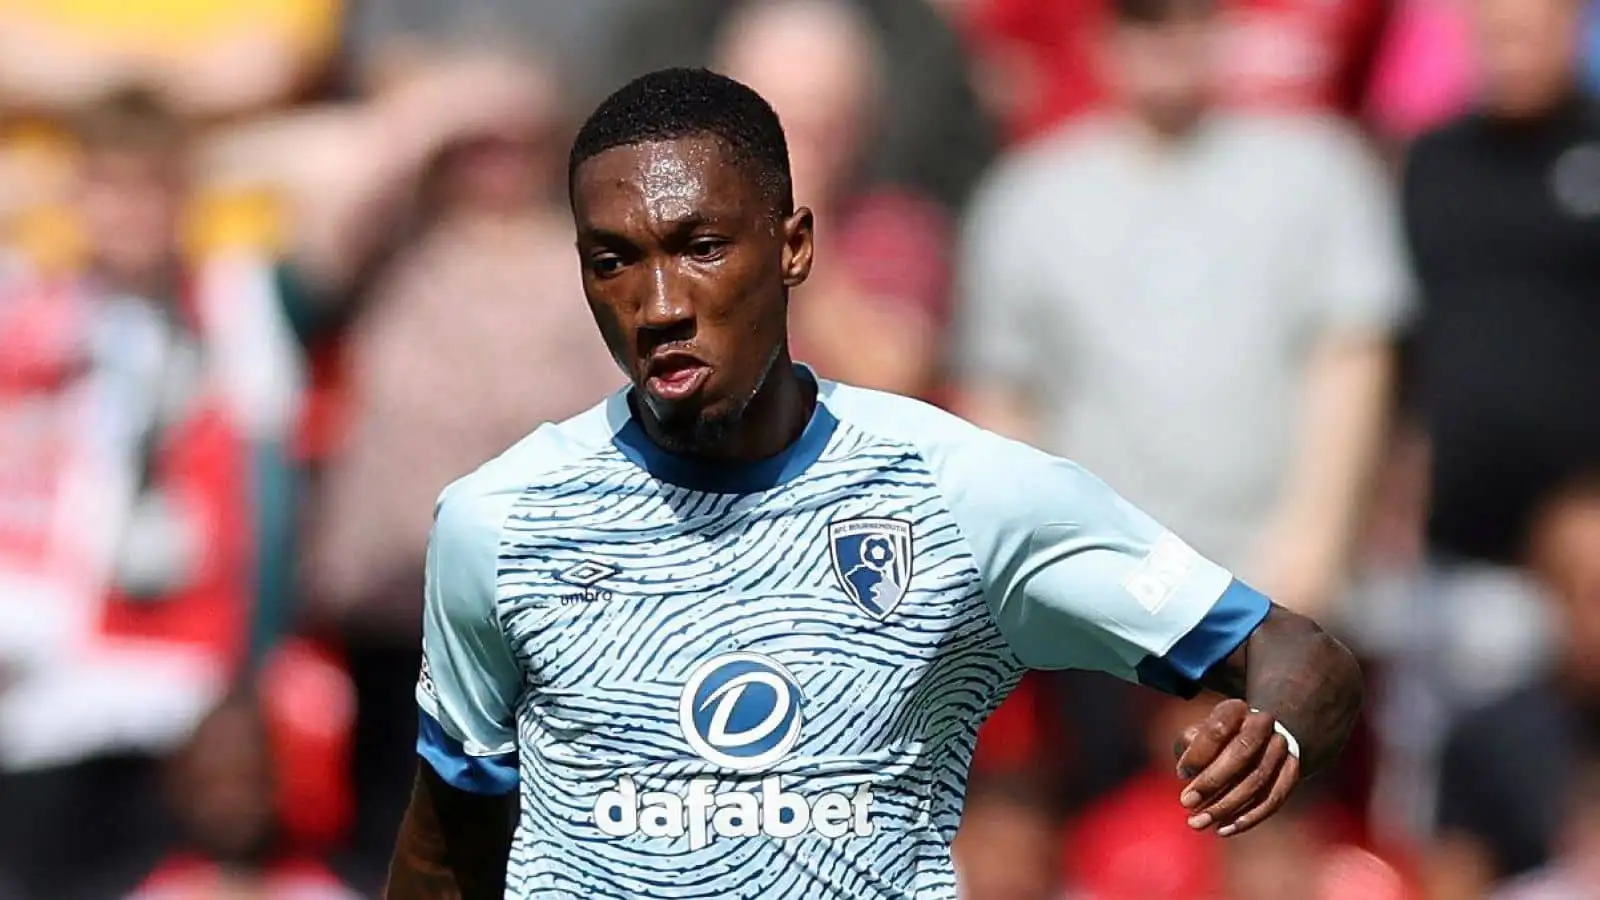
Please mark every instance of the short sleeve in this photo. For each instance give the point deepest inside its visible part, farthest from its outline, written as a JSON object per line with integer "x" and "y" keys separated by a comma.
{"x": 470, "y": 680}
{"x": 1360, "y": 277}
{"x": 1078, "y": 578}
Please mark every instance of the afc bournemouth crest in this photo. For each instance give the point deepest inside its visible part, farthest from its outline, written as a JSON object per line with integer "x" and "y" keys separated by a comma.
{"x": 872, "y": 560}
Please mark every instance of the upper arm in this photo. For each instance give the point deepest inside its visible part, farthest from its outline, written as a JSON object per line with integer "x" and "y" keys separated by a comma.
{"x": 470, "y": 679}
{"x": 1077, "y": 577}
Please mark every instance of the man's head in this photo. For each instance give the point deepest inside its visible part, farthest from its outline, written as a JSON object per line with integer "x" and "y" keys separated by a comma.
{"x": 1529, "y": 53}
{"x": 689, "y": 242}
{"x": 131, "y": 195}
{"x": 1159, "y": 60}
{"x": 222, "y": 783}
{"x": 819, "y": 65}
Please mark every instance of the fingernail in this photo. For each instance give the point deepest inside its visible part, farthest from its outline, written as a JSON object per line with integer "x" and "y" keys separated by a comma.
{"x": 1186, "y": 772}
{"x": 1200, "y": 821}
{"x": 1190, "y": 799}
{"x": 1228, "y": 830}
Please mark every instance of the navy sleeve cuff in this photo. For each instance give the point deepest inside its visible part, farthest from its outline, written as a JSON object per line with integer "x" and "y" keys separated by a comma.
{"x": 1225, "y": 626}
{"x": 493, "y": 775}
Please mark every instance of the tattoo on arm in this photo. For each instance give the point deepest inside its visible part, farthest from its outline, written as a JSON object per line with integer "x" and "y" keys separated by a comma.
{"x": 1293, "y": 669}
{"x": 452, "y": 845}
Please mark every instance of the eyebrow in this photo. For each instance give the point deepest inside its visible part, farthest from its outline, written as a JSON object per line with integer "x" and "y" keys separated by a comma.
{"x": 676, "y": 226}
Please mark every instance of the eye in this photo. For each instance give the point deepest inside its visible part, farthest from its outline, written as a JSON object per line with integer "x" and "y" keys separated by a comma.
{"x": 707, "y": 249}
{"x": 605, "y": 264}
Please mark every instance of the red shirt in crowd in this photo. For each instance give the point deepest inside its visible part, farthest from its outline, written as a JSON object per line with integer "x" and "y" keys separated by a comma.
{"x": 1296, "y": 54}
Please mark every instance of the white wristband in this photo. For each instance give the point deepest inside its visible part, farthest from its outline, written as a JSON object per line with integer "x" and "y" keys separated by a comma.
{"x": 1279, "y": 727}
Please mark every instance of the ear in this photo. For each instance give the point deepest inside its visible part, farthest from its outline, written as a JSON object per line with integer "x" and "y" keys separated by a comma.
{"x": 797, "y": 247}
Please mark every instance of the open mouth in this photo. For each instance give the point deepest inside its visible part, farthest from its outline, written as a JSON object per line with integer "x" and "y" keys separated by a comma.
{"x": 676, "y": 376}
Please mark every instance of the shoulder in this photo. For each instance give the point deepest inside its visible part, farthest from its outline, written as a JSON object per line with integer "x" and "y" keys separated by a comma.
{"x": 1298, "y": 145}
{"x": 897, "y": 418}
{"x": 1052, "y": 162}
{"x": 1450, "y": 138}
{"x": 475, "y": 505}
{"x": 961, "y": 455}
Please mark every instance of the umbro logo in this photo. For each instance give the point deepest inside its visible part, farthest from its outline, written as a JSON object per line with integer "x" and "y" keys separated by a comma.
{"x": 587, "y": 574}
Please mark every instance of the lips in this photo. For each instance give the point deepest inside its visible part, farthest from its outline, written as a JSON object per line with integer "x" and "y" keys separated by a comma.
{"x": 675, "y": 375}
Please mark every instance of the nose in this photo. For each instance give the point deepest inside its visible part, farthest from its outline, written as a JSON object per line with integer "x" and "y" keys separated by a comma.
{"x": 667, "y": 306}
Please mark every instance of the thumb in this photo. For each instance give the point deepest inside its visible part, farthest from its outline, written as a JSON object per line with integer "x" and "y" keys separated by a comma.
{"x": 1181, "y": 745}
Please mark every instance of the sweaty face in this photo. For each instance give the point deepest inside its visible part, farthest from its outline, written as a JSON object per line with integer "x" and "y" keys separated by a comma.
{"x": 687, "y": 267}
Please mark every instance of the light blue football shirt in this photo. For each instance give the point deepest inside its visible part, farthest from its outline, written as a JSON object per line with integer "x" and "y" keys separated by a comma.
{"x": 766, "y": 680}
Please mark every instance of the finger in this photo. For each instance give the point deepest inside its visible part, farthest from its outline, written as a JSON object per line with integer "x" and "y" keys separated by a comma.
{"x": 1249, "y": 789}
{"x": 1205, "y": 740}
{"x": 1288, "y": 777}
{"x": 1238, "y": 757}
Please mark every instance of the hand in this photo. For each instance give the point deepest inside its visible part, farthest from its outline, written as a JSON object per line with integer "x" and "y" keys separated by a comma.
{"x": 1239, "y": 769}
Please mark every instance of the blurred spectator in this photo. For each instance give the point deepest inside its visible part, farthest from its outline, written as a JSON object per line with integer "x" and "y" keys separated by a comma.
{"x": 209, "y": 59}
{"x": 1196, "y": 305}
{"x": 1510, "y": 337}
{"x": 388, "y": 38}
{"x": 1310, "y": 55}
{"x": 1509, "y": 769}
{"x": 222, "y": 790}
{"x": 875, "y": 314}
{"x": 1008, "y": 847}
{"x": 1575, "y": 872}
{"x": 139, "y": 394}
{"x": 1508, "y": 347}
{"x": 934, "y": 135}
{"x": 442, "y": 222}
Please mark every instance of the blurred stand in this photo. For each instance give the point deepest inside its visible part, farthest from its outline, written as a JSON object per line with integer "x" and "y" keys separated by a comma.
{"x": 209, "y": 60}
{"x": 273, "y": 272}
{"x": 1038, "y": 67}
{"x": 251, "y": 791}
{"x": 385, "y": 39}
{"x": 1197, "y": 305}
{"x": 934, "y": 137}
{"x": 1512, "y": 772}
{"x": 1506, "y": 366}
{"x": 148, "y": 384}
{"x": 875, "y": 309}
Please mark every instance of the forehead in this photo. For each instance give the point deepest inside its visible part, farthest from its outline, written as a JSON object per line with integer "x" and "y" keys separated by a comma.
{"x": 649, "y": 184}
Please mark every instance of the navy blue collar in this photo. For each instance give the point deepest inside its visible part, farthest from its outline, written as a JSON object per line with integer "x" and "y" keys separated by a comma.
{"x": 721, "y": 477}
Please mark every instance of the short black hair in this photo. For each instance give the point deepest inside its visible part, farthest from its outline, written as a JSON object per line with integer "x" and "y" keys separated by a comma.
{"x": 1159, "y": 12}
{"x": 677, "y": 103}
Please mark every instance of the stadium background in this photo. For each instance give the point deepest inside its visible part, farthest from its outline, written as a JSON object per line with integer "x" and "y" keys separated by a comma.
{"x": 212, "y": 516}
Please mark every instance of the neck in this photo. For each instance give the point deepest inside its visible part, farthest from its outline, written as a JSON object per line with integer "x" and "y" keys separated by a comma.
{"x": 1162, "y": 133}
{"x": 773, "y": 420}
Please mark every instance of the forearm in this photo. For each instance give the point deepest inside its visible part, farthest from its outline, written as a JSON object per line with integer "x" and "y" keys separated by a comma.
{"x": 1341, "y": 434}
{"x": 452, "y": 846}
{"x": 1300, "y": 674}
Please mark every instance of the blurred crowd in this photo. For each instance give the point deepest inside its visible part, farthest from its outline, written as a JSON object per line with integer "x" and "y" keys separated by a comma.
{"x": 1315, "y": 282}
